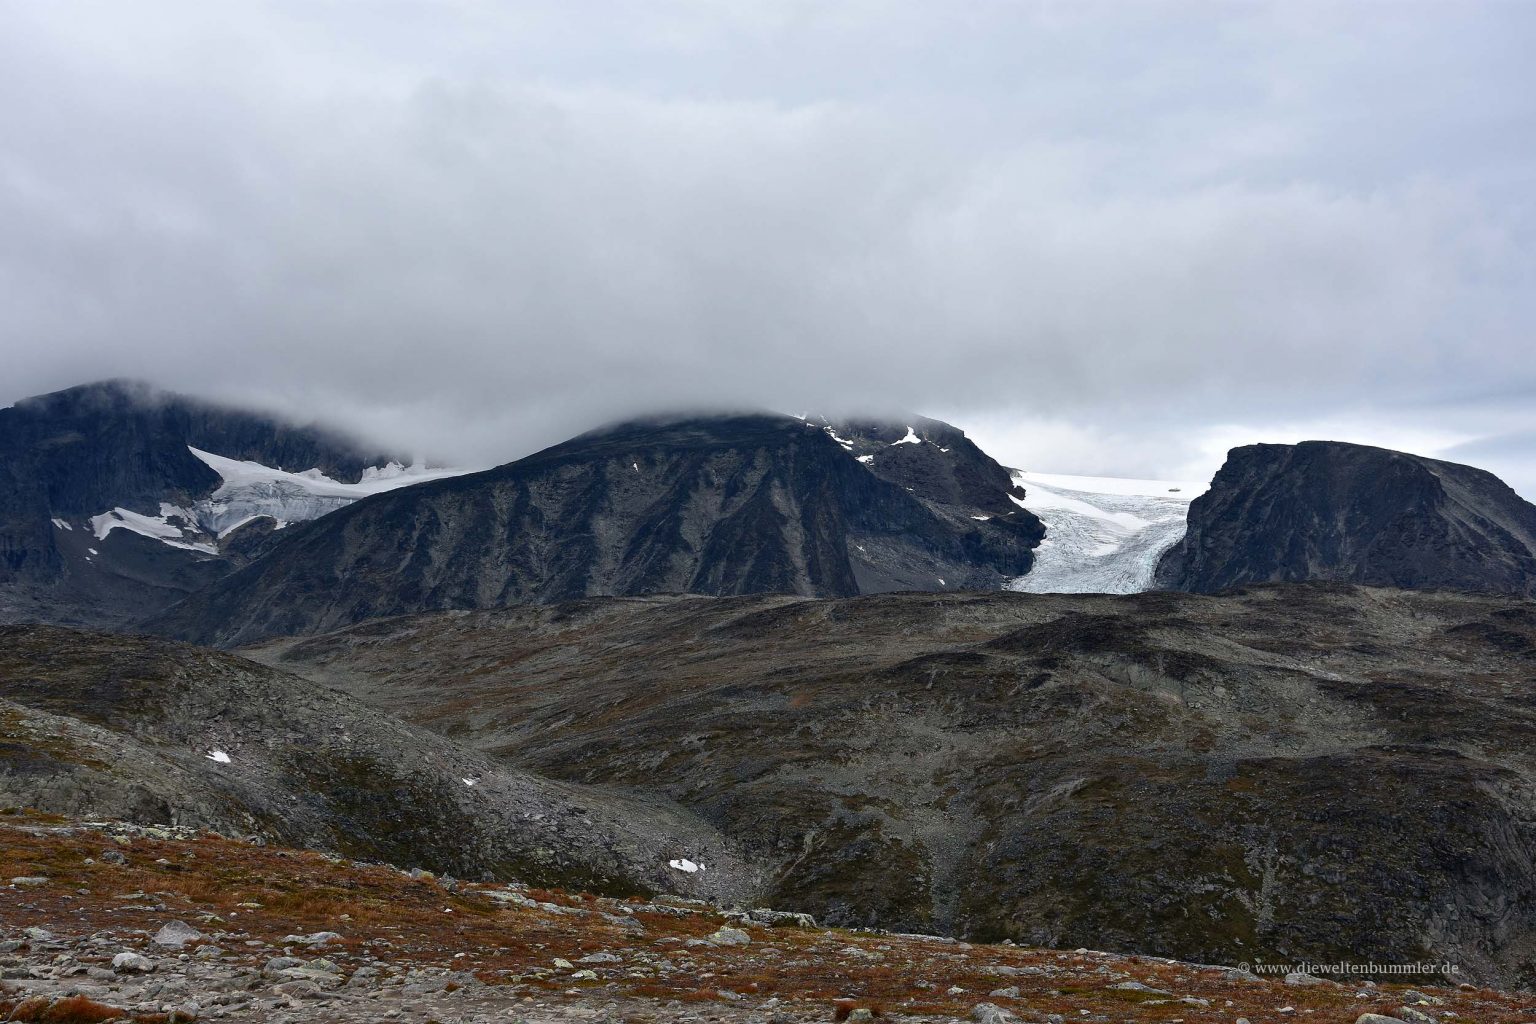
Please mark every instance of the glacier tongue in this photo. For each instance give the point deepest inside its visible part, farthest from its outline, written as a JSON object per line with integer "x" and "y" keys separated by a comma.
{"x": 1104, "y": 535}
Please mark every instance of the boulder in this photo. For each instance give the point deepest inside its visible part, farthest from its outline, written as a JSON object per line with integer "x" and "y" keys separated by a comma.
{"x": 176, "y": 934}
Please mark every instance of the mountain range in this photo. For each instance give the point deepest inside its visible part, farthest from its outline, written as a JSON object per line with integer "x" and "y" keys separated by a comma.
{"x": 851, "y": 666}
{"x": 127, "y": 508}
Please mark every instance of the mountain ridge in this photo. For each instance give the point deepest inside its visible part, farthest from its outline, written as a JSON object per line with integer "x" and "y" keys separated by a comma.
{"x": 723, "y": 505}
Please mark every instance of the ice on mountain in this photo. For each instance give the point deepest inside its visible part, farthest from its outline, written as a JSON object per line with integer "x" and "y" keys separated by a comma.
{"x": 154, "y": 527}
{"x": 62, "y": 525}
{"x": 911, "y": 438}
{"x": 686, "y": 865}
{"x": 1103, "y": 534}
{"x": 252, "y": 491}
{"x": 217, "y": 755}
{"x": 866, "y": 459}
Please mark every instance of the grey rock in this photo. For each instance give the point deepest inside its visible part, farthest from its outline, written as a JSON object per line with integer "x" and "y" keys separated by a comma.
{"x": 730, "y": 937}
{"x": 280, "y": 963}
{"x": 175, "y": 934}
{"x": 777, "y": 918}
{"x": 313, "y": 939}
{"x": 991, "y": 1013}
{"x": 322, "y": 978}
{"x": 132, "y": 963}
{"x": 300, "y": 989}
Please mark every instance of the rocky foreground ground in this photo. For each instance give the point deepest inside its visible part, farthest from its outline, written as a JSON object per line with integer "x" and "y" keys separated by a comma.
{"x": 109, "y": 921}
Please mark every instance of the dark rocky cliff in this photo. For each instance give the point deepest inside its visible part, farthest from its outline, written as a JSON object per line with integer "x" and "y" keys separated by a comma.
{"x": 1325, "y": 510}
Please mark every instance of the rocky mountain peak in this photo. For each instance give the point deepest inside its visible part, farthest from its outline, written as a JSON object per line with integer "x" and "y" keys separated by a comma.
{"x": 1327, "y": 510}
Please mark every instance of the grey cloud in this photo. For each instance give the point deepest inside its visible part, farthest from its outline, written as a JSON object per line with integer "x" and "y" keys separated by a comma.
{"x": 476, "y": 228}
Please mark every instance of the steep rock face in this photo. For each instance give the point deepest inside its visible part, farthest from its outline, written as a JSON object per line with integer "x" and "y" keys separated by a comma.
{"x": 1325, "y": 510}
{"x": 931, "y": 459}
{"x": 1285, "y": 773}
{"x": 145, "y": 730}
{"x": 77, "y": 454}
{"x": 718, "y": 505}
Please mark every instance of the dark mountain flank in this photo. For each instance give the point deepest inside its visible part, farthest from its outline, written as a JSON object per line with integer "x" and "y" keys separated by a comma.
{"x": 1280, "y": 773}
{"x": 931, "y": 459}
{"x": 719, "y": 505}
{"x": 74, "y": 454}
{"x": 1325, "y": 510}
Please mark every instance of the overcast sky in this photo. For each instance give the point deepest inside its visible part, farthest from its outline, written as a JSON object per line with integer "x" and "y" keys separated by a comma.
{"x": 1105, "y": 238}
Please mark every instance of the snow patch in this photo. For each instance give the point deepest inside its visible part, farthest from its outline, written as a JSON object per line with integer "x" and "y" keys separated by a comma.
{"x": 866, "y": 459}
{"x": 911, "y": 438}
{"x": 217, "y": 755}
{"x": 470, "y": 782}
{"x": 847, "y": 444}
{"x": 684, "y": 864}
{"x": 62, "y": 525}
{"x": 154, "y": 527}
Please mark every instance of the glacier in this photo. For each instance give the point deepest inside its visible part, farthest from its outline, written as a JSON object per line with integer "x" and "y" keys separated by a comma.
{"x": 251, "y": 491}
{"x": 1104, "y": 535}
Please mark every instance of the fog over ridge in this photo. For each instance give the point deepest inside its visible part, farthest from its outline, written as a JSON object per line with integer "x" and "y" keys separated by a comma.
{"x": 1102, "y": 239}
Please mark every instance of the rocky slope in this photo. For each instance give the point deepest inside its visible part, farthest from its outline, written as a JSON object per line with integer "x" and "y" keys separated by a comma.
{"x": 1324, "y": 510}
{"x": 932, "y": 459}
{"x": 730, "y": 504}
{"x": 158, "y": 925}
{"x": 100, "y": 492}
{"x": 1286, "y": 772}
{"x": 146, "y": 730}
